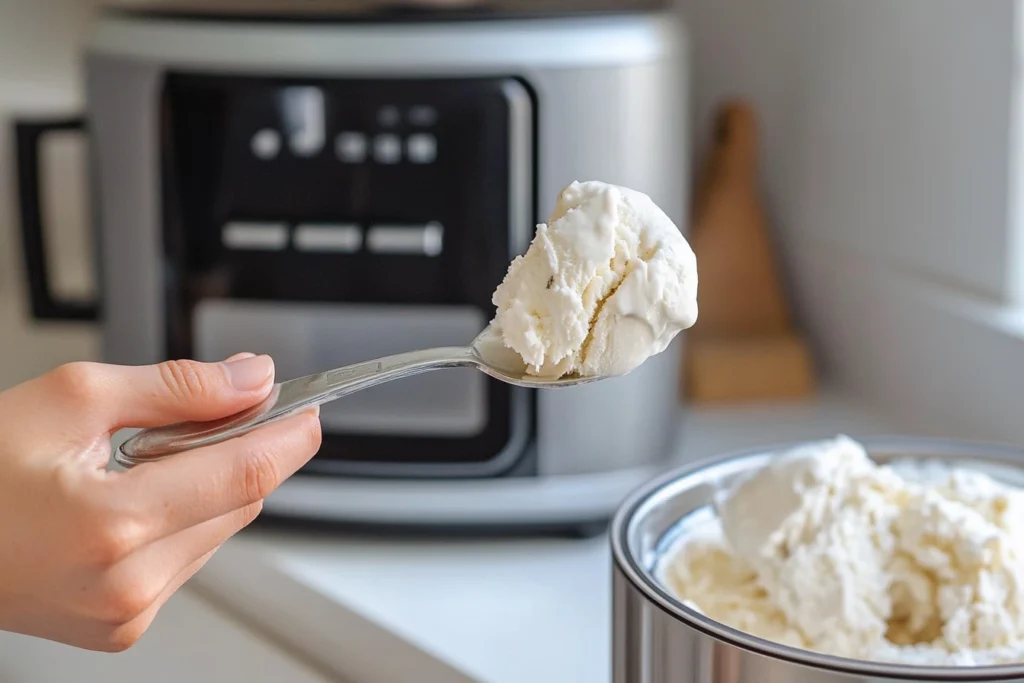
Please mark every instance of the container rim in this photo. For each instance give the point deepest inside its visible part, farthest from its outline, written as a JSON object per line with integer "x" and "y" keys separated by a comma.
{"x": 632, "y": 570}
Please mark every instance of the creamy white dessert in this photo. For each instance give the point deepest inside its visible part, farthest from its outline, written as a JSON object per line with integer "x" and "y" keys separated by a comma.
{"x": 826, "y": 550}
{"x": 607, "y": 283}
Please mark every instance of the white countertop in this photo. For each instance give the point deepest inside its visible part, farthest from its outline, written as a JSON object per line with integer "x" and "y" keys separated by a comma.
{"x": 502, "y": 611}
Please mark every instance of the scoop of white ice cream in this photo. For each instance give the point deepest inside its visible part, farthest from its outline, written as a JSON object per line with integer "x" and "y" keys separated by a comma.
{"x": 755, "y": 508}
{"x": 862, "y": 562}
{"x": 815, "y": 526}
{"x": 607, "y": 283}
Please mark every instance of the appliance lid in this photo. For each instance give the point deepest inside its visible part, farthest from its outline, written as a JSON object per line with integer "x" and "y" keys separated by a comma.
{"x": 376, "y": 11}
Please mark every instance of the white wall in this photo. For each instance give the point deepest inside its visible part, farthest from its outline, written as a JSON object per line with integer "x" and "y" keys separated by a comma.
{"x": 887, "y": 124}
{"x": 39, "y": 74}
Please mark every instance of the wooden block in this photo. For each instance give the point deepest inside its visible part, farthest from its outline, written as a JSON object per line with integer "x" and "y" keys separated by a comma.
{"x": 748, "y": 369}
{"x": 741, "y": 289}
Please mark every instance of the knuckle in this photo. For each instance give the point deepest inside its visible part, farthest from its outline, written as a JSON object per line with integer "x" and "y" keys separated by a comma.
{"x": 260, "y": 476}
{"x": 185, "y": 379}
{"x": 66, "y": 481}
{"x": 125, "y": 599}
{"x": 123, "y": 637}
{"x": 80, "y": 379}
{"x": 112, "y": 541}
{"x": 312, "y": 433}
{"x": 251, "y": 512}
{"x": 120, "y": 640}
{"x": 246, "y": 515}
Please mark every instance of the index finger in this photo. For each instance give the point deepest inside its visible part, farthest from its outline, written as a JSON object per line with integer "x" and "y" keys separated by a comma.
{"x": 190, "y": 488}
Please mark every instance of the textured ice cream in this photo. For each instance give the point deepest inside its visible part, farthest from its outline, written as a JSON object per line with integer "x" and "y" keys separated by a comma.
{"x": 824, "y": 549}
{"x": 607, "y": 283}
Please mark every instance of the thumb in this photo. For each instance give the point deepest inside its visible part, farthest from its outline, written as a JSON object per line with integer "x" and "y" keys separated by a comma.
{"x": 180, "y": 390}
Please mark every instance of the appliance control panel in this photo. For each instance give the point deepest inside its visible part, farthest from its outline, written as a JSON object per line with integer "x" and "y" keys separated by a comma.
{"x": 370, "y": 191}
{"x": 303, "y": 133}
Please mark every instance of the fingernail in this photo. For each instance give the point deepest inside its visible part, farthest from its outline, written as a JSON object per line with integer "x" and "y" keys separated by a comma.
{"x": 249, "y": 374}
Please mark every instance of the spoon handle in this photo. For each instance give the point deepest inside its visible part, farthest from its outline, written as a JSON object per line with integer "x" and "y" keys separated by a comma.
{"x": 288, "y": 398}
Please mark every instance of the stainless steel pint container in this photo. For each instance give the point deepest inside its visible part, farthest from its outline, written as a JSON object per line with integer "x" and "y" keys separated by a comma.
{"x": 657, "y": 639}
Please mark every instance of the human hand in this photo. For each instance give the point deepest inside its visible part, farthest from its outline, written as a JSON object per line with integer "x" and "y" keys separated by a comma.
{"x": 88, "y": 556}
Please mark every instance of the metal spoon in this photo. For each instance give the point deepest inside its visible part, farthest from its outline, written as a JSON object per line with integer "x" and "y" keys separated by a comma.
{"x": 486, "y": 353}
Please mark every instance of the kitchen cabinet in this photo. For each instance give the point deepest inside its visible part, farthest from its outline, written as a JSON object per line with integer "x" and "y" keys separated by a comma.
{"x": 191, "y": 640}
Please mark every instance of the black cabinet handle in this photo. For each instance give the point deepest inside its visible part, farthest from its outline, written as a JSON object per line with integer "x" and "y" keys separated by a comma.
{"x": 28, "y": 136}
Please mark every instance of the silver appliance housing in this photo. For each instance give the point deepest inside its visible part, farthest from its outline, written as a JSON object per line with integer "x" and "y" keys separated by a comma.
{"x": 611, "y": 104}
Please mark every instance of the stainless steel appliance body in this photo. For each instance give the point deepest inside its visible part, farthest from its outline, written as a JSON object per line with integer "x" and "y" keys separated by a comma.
{"x": 658, "y": 640}
{"x": 333, "y": 187}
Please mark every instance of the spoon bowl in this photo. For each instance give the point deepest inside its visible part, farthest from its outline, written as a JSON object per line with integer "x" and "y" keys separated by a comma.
{"x": 486, "y": 353}
{"x": 493, "y": 358}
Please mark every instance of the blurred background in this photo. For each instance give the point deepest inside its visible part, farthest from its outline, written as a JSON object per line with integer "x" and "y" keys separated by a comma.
{"x": 333, "y": 181}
